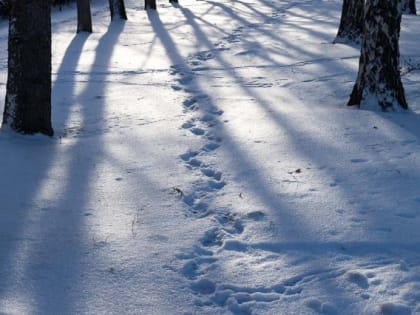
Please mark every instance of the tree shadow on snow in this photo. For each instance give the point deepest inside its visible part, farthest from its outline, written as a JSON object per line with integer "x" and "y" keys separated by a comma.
{"x": 45, "y": 238}
{"x": 316, "y": 154}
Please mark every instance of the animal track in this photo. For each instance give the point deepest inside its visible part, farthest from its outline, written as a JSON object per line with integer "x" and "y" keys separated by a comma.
{"x": 197, "y": 131}
{"x": 188, "y": 155}
{"x": 358, "y": 279}
{"x": 211, "y": 146}
{"x": 227, "y": 226}
{"x": 211, "y": 173}
{"x": 203, "y": 286}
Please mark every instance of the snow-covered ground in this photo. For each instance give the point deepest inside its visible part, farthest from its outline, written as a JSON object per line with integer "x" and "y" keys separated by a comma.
{"x": 204, "y": 162}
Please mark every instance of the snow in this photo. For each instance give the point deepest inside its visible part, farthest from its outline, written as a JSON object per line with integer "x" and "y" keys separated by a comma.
{"x": 204, "y": 162}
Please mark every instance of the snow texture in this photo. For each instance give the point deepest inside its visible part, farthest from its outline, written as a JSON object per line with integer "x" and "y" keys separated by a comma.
{"x": 204, "y": 162}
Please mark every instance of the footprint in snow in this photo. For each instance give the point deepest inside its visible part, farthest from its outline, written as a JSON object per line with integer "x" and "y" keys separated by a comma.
{"x": 406, "y": 215}
{"x": 215, "y": 185}
{"x": 194, "y": 163}
{"x": 213, "y": 237}
{"x": 322, "y": 308}
{"x": 395, "y": 309}
{"x": 211, "y": 146}
{"x": 358, "y": 278}
{"x": 256, "y": 215}
{"x": 197, "y": 131}
{"x": 189, "y": 124}
{"x": 203, "y": 286}
{"x": 231, "y": 223}
{"x": 211, "y": 173}
{"x": 359, "y": 160}
{"x": 188, "y": 155}
{"x": 176, "y": 87}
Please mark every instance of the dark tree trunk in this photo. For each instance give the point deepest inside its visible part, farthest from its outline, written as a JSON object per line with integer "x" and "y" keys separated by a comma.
{"x": 150, "y": 4}
{"x": 84, "y": 18}
{"x": 409, "y": 6}
{"x": 173, "y": 1}
{"x": 28, "y": 92}
{"x": 379, "y": 80}
{"x": 117, "y": 9}
{"x": 351, "y": 22}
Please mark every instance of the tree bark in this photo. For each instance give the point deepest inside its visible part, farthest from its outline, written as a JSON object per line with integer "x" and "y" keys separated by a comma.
{"x": 351, "y": 22}
{"x": 84, "y": 17}
{"x": 409, "y": 6}
{"x": 117, "y": 9}
{"x": 28, "y": 92}
{"x": 150, "y": 4}
{"x": 379, "y": 80}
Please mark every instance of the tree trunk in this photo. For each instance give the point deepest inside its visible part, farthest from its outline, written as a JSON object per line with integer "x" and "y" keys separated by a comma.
{"x": 150, "y": 4}
{"x": 28, "y": 92}
{"x": 84, "y": 18}
{"x": 379, "y": 81}
{"x": 351, "y": 23}
{"x": 409, "y": 6}
{"x": 117, "y": 9}
{"x": 173, "y": 1}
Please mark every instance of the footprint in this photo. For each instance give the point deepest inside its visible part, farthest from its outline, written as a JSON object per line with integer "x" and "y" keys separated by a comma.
{"x": 406, "y": 215}
{"x": 216, "y": 185}
{"x": 328, "y": 309}
{"x": 189, "y": 102}
{"x": 176, "y": 87}
{"x": 208, "y": 172}
{"x": 235, "y": 246}
{"x": 188, "y": 155}
{"x": 203, "y": 286}
{"x": 187, "y": 125}
{"x": 185, "y": 79}
{"x": 197, "y": 131}
{"x": 359, "y": 160}
{"x": 211, "y": 173}
{"x": 314, "y": 304}
{"x": 201, "y": 56}
{"x": 212, "y": 237}
{"x": 194, "y": 62}
{"x": 190, "y": 270}
{"x": 211, "y": 146}
{"x": 216, "y": 111}
{"x": 200, "y": 206}
{"x": 358, "y": 279}
{"x": 175, "y": 69}
{"x": 207, "y": 118}
{"x": 256, "y": 215}
{"x": 395, "y": 309}
{"x": 293, "y": 291}
{"x": 231, "y": 224}
{"x": 194, "y": 163}
{"x": 212, "y": 137}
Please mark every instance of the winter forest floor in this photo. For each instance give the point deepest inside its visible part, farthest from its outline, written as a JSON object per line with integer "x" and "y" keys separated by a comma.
{"x": 204, "y": 162}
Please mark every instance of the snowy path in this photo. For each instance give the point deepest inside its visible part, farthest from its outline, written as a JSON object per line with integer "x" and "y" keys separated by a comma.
{"x": 204, "y": 163}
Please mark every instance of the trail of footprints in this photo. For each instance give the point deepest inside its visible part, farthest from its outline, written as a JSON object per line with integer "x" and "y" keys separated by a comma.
{"x": 202, "y": 259}
{"x": 198, "y": 264}
{"x": 206, "y": 117}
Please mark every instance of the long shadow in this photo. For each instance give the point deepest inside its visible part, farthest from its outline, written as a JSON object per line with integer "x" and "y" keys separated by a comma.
{"x": 44, "y": 232}
{"x": 166, "y": 39}
{"x": 63, "y": 96}
{"x": 69, "y": 263}
{"x": 291, "y": 223}
{"x": 30, "y": 160}
{"x": 278, "y": 118}
{"x": 287, "y": 215}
